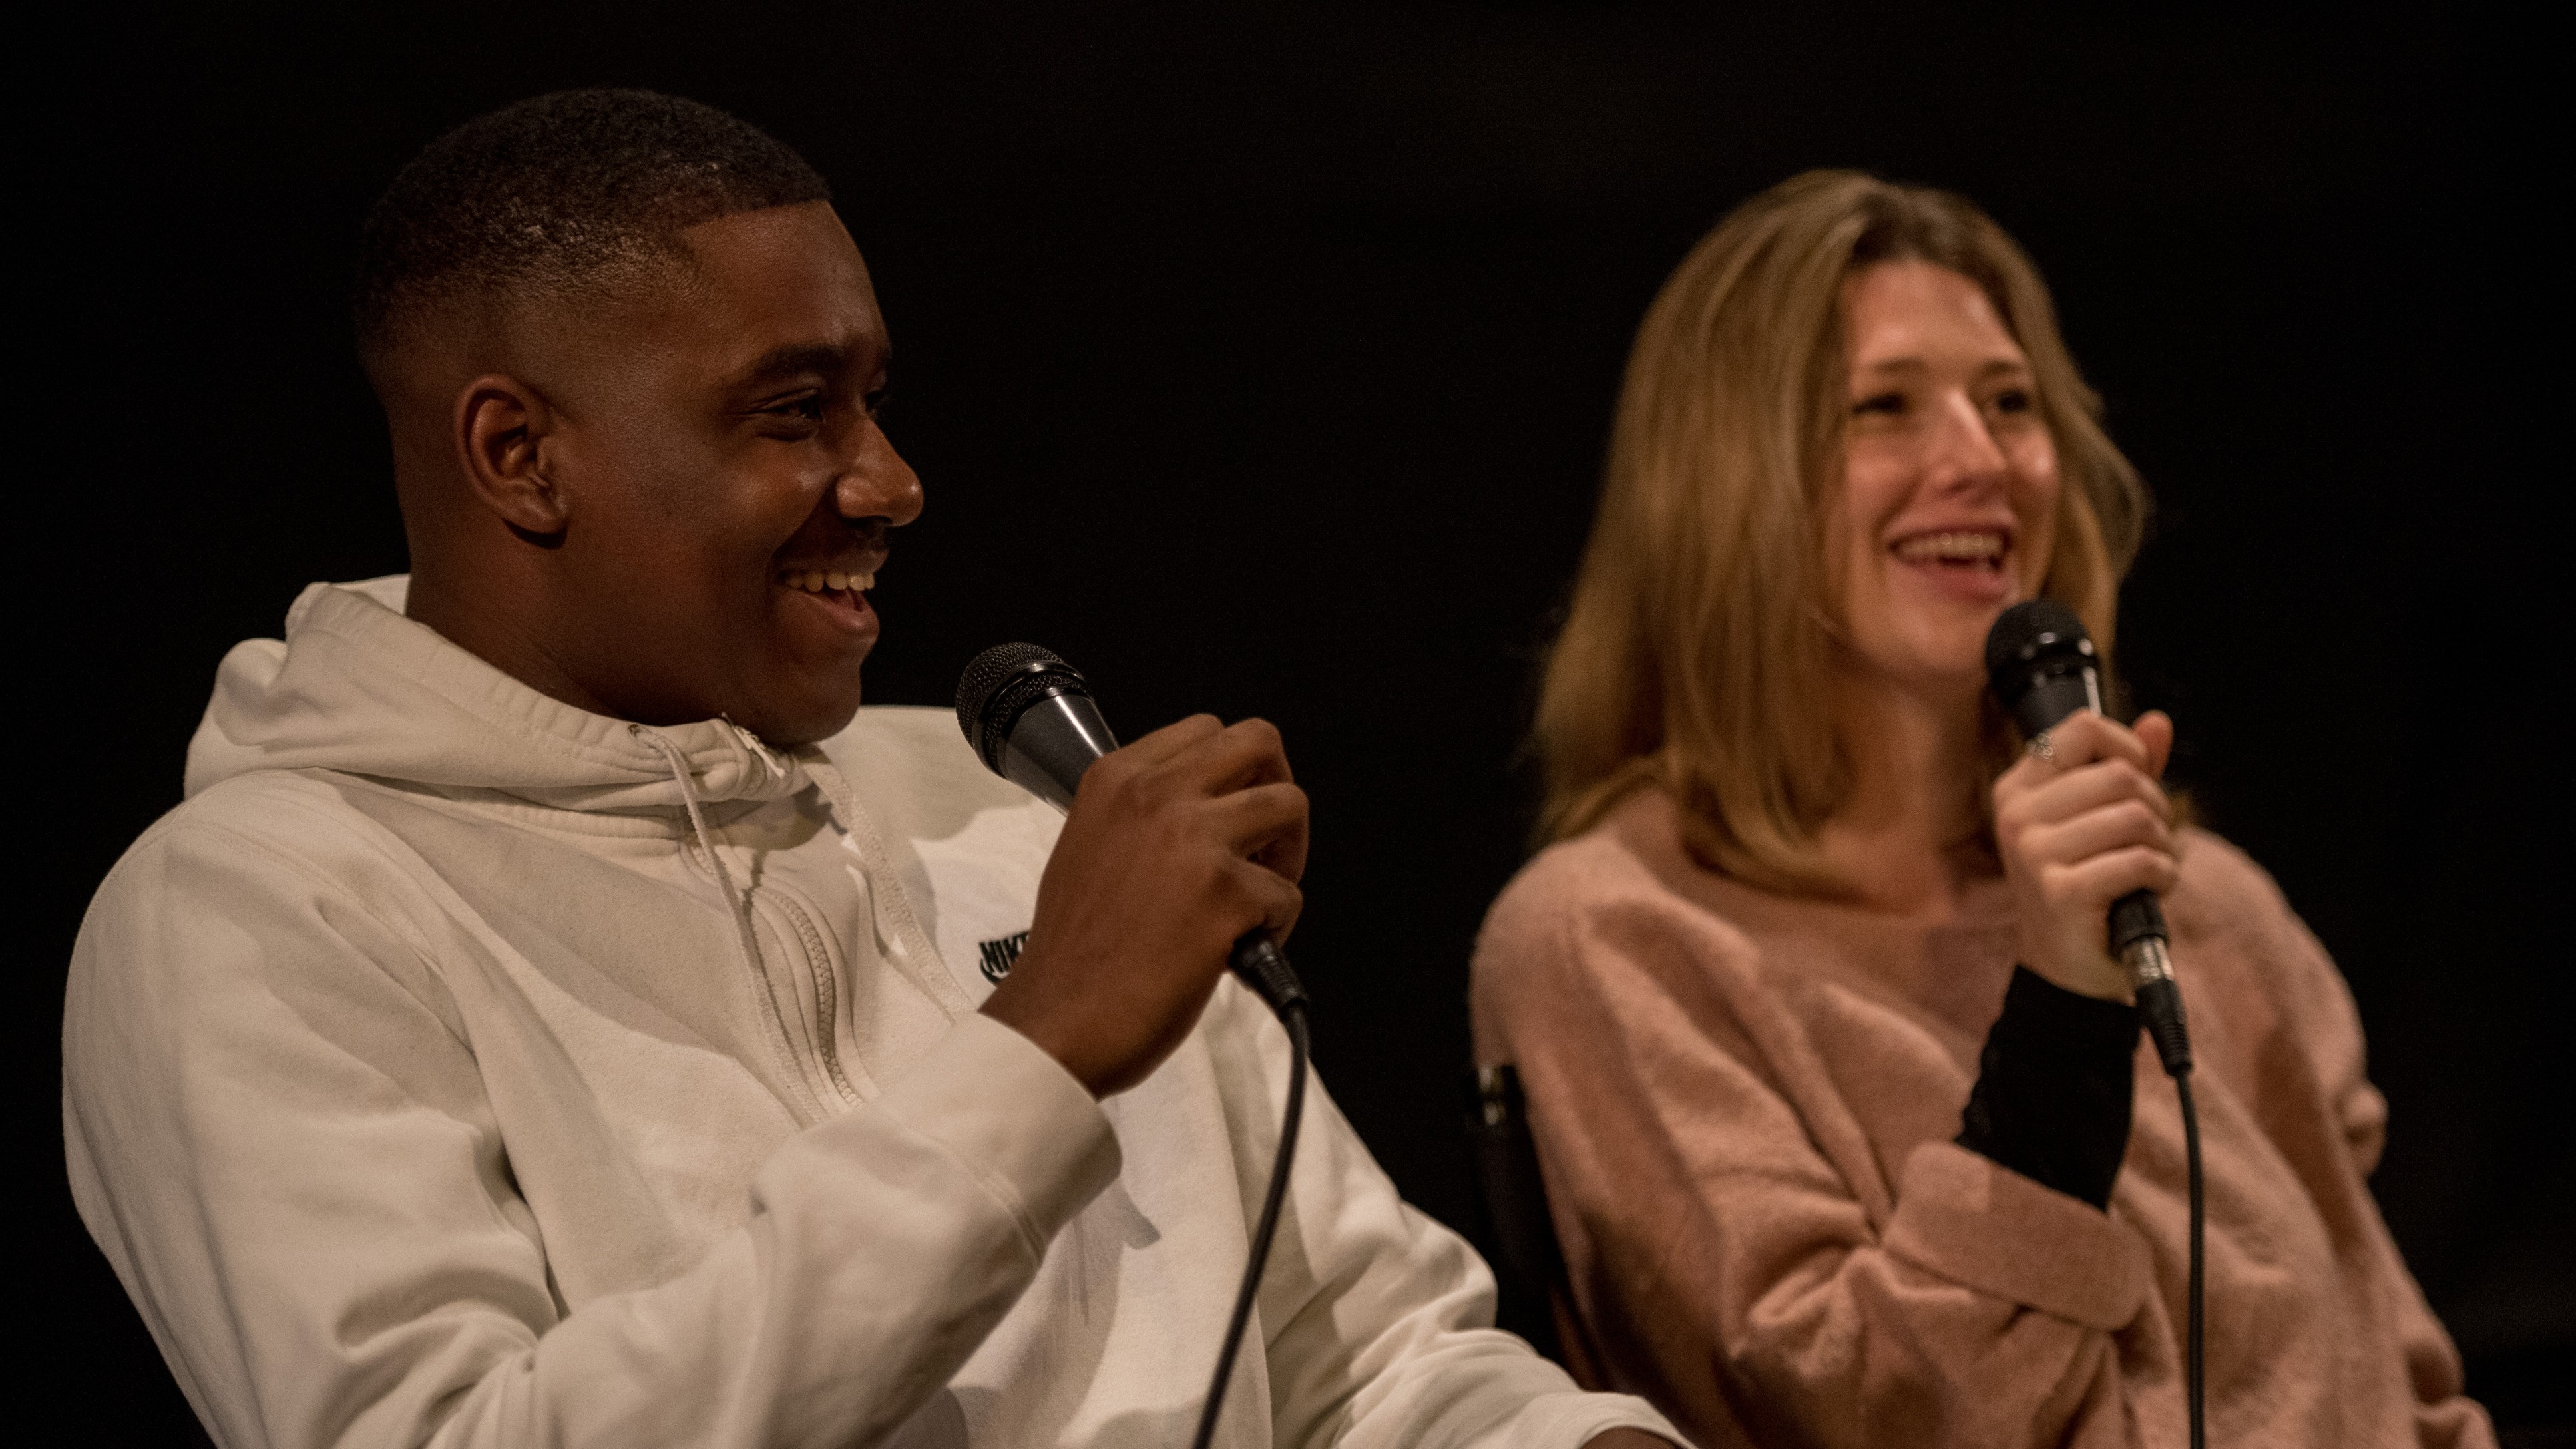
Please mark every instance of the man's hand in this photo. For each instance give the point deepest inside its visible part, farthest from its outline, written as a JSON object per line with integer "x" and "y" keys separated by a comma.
{"x": 2078, "y": 831}
{"x": 1176, "y": 845}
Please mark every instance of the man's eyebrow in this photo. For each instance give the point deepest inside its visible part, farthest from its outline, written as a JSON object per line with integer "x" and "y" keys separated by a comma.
{"x": 797, "y": 357}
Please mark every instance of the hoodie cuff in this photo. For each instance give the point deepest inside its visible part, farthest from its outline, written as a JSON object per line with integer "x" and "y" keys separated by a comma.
{"x": 1575, "y": 1419}
{"x": 1013, "y": 1116}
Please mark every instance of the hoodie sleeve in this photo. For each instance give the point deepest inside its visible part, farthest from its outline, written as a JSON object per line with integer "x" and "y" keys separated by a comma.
{"x": 278, "y": 1135}
{"x": 1377, "y": 1323}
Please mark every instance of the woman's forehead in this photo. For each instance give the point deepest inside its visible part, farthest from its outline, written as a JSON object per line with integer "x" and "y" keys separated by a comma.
{"x": 1913, "y": 313}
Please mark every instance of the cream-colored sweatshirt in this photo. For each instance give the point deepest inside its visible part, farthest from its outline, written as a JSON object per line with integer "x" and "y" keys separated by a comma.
{"x": 458, "y": 1067}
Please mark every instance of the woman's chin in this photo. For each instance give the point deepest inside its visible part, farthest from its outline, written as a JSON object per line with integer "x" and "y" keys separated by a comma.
{"x": 1933, "y": 655}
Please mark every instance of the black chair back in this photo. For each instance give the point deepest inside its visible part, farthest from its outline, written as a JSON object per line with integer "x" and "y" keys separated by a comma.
{"x": 1537, "y": 1300}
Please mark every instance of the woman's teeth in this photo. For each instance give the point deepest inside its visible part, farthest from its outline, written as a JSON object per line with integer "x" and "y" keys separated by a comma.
{"x": 1985, "y": 549}
{"x": 814, "y": 582}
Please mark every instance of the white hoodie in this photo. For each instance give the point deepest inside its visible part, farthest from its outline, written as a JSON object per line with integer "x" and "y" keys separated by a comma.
{"x": 455, "y": 1066}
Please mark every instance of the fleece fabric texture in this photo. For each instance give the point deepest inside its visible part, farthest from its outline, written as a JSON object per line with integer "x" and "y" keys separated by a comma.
{"x": 1744, "y": 1106}
{"x": 456, "y": 1067}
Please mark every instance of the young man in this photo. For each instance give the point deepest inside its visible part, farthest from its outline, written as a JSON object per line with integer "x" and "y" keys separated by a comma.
{"x": 554, "y": 1016}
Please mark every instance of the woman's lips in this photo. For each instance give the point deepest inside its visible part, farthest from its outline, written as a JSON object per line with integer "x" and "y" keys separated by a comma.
{"x": 1970, "y": 564}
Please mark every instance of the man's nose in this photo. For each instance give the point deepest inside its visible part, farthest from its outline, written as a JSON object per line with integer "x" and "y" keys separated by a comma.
{"x": 1962, "y": 449}
{"x": 877, "y": 483}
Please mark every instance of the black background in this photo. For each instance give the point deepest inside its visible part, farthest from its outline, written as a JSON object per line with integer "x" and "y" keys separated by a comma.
{"x": 1260, "y": 360}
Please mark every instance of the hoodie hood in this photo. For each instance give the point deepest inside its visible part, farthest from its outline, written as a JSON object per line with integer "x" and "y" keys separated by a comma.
{"x": 357, "y": 687}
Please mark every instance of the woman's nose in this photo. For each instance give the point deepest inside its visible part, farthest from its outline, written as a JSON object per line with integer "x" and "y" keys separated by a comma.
{"x": 1962, "y": 451}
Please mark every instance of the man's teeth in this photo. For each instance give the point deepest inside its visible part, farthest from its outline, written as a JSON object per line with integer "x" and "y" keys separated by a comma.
{"x": 1950, "y": 547}
{"x": 816, "y": 582}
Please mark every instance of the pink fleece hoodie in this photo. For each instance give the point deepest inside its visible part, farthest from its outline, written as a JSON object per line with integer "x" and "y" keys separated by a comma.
{"x": 1744, "y": 1106}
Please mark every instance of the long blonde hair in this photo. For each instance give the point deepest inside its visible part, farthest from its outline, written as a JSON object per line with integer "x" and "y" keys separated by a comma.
{"x": 1696, "y": 652}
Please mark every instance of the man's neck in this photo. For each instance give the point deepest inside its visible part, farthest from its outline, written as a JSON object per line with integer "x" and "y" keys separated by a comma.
{"x": 463, "y": 615}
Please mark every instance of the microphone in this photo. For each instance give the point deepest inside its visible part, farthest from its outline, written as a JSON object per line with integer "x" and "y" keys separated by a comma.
{"x": 1030, "y": 717}
{"x": 2042, "y": 667}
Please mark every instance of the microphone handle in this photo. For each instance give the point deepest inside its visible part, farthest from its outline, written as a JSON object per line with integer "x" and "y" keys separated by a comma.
{"x": 2134, "y": 918}
{"x": 2138, "y": 940}
{"x": 1259, "y": 964}
{"x": 2137, "y": 924}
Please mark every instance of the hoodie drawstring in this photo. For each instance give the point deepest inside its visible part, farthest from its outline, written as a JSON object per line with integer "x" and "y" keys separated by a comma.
{"x": 911, "y": 950}
{"x": 738, "y": 906}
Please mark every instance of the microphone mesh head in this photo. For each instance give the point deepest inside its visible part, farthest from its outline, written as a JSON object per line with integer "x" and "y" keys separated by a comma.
{"x": 986, "y": 675}
{"x": 2025, "y": 633}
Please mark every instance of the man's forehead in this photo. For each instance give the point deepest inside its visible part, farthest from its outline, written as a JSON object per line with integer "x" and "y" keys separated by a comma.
{"x": 782, "y": 290}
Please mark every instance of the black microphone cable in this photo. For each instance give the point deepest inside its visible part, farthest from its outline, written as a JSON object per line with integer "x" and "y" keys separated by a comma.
{"x": 1031, "y": 719}
{"x": 2041, "y": 665}
{"x": 1288, "y": 998}
{"x": 2138, "y": 941}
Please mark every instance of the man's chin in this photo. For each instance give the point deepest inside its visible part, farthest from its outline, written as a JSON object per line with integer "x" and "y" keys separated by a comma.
{"x": 805, "y": 721}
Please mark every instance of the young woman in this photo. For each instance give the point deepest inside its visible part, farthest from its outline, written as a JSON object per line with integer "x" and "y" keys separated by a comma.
{"x": 1846, "y": 1121}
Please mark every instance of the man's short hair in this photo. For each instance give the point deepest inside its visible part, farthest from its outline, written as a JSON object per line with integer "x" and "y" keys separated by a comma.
{"x": 552, "y": 193}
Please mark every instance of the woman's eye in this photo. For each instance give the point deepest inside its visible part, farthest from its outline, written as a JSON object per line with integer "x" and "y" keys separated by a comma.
{"x": 2012, "y": 400}
{"x": 1887, "y": 404}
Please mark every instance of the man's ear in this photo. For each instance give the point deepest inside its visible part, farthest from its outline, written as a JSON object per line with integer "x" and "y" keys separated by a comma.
{"x": 503, "y": 427}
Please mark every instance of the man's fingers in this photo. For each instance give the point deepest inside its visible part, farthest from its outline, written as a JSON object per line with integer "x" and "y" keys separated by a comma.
{"x": 1247, "y": 752}
{"x": 1172, "y": 739}
{"x": 1266, "y": 823}
{"x": 1278, "y": 898}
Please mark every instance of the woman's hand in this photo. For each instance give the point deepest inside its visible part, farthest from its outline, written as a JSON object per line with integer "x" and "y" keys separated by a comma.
{"x": 2078, "y": 829}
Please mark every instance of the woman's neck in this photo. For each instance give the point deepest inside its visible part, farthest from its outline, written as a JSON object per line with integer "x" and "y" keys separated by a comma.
{"x": 1901, "y": 835}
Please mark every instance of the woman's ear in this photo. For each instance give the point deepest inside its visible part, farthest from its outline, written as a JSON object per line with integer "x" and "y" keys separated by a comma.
{"x": 502, "y": 426}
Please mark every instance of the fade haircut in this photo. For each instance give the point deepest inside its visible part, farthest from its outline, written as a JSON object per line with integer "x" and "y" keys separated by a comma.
{"x": 558, "y": 194}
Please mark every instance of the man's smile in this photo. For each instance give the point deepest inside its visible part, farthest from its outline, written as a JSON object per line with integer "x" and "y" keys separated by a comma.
{"x": 839, "y": 586}
{"x": 816, "y": 581}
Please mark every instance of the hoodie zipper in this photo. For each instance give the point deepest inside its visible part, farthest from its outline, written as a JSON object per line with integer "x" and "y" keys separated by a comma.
{"x": 818, "y": 970}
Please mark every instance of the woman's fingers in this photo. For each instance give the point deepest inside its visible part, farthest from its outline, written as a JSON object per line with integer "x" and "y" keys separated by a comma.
{"x": 2086, "y": 736}
{"x": 2115, "y": 826}
{"x": 2155, "y": 730}
{"x": 2093, "y": 883}
{"x": 2078, "y": 829}
{"x": 2073, "y": 792}
{"x": 2084, "y": 747}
